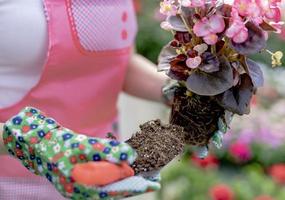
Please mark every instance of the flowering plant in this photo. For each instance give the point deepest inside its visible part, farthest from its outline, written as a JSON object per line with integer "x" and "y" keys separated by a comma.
{"x": 208, "y": 59}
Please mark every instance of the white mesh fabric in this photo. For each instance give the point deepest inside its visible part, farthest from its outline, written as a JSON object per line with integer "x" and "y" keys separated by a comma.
{"x": 27, "y": 189}
{"x": 134, "y": 183}
{"x": 102, "y": 25}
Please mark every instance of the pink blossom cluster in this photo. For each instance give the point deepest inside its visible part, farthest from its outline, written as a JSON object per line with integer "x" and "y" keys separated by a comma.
{"x": 243, "y": 11}
{"x": 256, "y": 11}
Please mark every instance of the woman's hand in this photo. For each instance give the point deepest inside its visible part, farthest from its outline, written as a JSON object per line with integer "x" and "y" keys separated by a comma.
{"x": 80, "y": 167}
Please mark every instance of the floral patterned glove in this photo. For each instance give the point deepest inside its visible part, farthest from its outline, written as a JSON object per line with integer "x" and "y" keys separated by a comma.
{"x": 50, "y": 150}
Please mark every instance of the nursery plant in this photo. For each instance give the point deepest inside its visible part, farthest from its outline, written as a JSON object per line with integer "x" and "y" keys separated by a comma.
{"x": 208, "y": 61}
{"x": 211, "y": 75}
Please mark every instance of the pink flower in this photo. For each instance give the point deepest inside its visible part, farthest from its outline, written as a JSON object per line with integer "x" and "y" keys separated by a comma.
{"x": 208, "y": 28}
{"x": 237, "y": 30}
{"x": 271, "y": 12}
{"x": 258, "y": 10}
{"x": 242, "y": 6}
{"x": 192, "y": 3}
{"x": 221, "y": 192}
{"x": 168, "y": 8}
{"x": 240, "y": 151}
{"x": 194, "y": 62}
{"x": 211, "y": 39}
{"x": 270, "y": 8}
{"x": 254, "y": 13}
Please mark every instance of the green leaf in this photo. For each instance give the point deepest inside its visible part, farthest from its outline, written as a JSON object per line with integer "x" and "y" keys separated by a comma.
{"x": 222, "y": 126}
{"x": 217, "y": 139}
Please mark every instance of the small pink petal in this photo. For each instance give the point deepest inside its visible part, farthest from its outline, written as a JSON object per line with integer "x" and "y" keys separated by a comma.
{"x": 235, "y": 14}
{"x": 217, "y": 23}
{"x": 198, "y": 3}
{"x": 241, "y": 36}
{"x": 186, "y": 3}
{"x": 201, "y": 28}
{"x": 211, "y": 39}
{"x": 235, "y": 28}
{"x": 194, "y": 62}
{"x": 168, "y": 8}
{"x": 166, "y": 26}
{"x": 242, "y": 6}
{"x": 277, "y": 25}
{"x": 274, "y": 14}
{"x": 201, "y": 48}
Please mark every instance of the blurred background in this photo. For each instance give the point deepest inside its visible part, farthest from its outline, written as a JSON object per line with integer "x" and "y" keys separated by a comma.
{"x": 251, "y": 164}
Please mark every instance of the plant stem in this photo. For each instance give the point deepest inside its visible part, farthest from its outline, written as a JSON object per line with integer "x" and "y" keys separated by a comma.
{"x": 213, "y": 49}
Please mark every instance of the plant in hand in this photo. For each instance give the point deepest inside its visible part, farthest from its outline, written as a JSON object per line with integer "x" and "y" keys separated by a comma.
{"x": 208, "y": 59}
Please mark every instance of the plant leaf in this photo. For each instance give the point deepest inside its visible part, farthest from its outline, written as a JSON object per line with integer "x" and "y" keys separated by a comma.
{"x": 217, "y": 139}
{"x": 211, "y": 84}
{"x": 210, "y": 63}
{"x": 167, "y": 54}
{"x": 255, "y": 73}
{"x": 255, "y": 43}
{"x": 222, "y": 126}
{"x": 228, "y": 117}
{"x": 177, "y": 23}
{"x": 237, "y": 100}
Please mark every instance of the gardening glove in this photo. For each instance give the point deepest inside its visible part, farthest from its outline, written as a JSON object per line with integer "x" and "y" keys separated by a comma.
{"x": 80, "y": 167}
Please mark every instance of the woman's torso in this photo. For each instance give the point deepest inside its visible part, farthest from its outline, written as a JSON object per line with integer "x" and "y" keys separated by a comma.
{"x": 100, "y": 32}
{"x": 69, "y": 61}
{"x": 23, "y": 47}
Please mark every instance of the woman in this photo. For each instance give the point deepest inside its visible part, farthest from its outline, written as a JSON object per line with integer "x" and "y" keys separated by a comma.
{"x": 71, "y": 59}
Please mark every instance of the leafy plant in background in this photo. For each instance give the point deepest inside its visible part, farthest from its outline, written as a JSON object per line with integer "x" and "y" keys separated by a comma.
{"x": 151, "y": 38}
{"x": 189, "y": 179}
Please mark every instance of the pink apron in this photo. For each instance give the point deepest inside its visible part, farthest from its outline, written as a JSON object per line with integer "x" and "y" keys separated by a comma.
{"x": 89, "y": 48}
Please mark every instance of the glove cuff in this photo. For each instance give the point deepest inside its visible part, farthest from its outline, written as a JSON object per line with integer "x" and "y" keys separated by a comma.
{"x": 23, "y": 131}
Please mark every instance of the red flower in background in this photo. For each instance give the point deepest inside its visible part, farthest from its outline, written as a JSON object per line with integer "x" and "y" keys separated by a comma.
{"x": 277, "y": 172}
{"x": 240, "y": 151}
{"x": 264, "y": 197}
{"x": 137, "y": 4}
{"x": 208, "y": 162}
{"x": 221, "y": 192}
